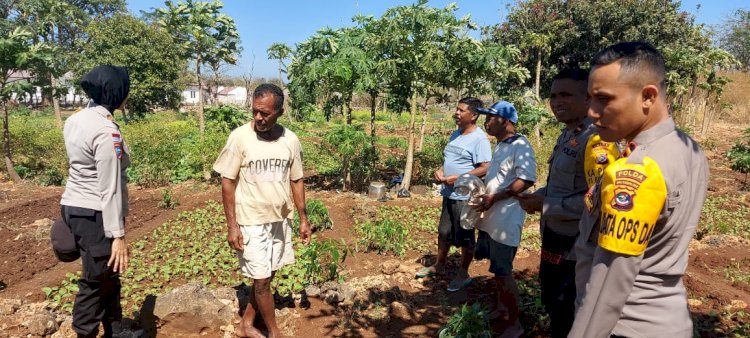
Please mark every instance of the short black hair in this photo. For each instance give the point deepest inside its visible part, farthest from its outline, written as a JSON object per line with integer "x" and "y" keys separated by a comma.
{"x": 272, "y": 89}
{"x": 575, "y": 74}
{"x": 472, "y": 102}
{"x": 635, "y": 57}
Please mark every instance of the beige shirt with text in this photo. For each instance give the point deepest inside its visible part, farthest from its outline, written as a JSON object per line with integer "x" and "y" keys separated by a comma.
{"x": 263, "y": 170}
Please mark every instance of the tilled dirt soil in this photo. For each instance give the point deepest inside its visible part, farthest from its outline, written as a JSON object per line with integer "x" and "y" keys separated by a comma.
{"x": 28, "y": 263}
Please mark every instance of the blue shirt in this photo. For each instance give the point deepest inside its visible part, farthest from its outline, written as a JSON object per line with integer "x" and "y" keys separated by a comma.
{"x": 462, "y": 154}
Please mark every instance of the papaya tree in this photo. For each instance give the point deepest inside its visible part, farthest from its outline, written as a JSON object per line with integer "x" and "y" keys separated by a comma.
{"x": 415, "y": 39}
{"x": 349, "y": 143}
{"x": 280, "y": 51}
{"x": 203, "y": 33}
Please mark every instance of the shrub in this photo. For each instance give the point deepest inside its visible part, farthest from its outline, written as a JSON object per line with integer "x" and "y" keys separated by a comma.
{"x": 171, "y": 152}
{"x": 352, "y": 145}
{"x": 51, "y": 176}
{"x": 740, "y": 155}
{"x": 226, "y": 117}
{"x": 467, "y": 322}
{"x": 38, "y": 148}
{"x": 383, "y": 236}
{"x": 314, "y": 264}
{"x": 319, "y": 160}
{"x": 317, "y": 215}
{"x": 167, "y": 200}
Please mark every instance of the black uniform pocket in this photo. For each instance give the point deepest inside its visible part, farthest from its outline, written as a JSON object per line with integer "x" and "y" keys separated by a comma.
{"x": 95, "y": 247}
{"x": 101, "y": 249}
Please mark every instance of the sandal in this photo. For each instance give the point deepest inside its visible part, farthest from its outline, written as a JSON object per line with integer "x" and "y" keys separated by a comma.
{"x": 456, "y": 284}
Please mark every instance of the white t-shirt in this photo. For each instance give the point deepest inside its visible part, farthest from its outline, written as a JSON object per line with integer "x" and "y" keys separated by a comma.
{"x": 512, "y": 159}
{"x": 265, "y": 169}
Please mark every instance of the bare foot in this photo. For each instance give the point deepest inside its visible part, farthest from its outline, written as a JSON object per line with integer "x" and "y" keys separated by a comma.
{"x": 247, "y": 331}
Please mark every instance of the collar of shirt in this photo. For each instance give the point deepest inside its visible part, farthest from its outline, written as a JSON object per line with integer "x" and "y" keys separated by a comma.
{"x": 511, "y": 139}
{"x": 101, "y": 111}
{"x": 654, "y": 133}
{"x": 645, "y": 137}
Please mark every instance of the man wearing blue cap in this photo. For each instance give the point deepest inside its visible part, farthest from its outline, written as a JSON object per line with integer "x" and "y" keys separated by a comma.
{"x": 512, "y": 171}
{"x": 467, "y": 152}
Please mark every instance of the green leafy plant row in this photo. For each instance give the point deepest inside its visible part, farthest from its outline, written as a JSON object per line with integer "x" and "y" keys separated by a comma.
{"x": 193, "y": 247}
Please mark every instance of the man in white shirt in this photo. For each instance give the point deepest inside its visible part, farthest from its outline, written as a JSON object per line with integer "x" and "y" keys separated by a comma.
{"x": 512, "y": 171}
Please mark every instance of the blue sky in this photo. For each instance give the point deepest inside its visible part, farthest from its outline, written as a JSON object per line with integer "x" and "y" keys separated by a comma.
{"x": 262, "y": 22}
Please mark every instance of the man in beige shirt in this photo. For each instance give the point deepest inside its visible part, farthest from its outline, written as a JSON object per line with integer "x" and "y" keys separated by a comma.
{"x": 261, "y": 169}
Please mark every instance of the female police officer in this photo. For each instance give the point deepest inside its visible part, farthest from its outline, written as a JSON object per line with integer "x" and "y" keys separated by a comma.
{"x": 95, "y": 201}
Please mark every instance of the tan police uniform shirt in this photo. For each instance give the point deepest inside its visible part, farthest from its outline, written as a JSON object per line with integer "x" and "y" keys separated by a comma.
{"x": 645, "y": 206}
{"x": 263, "y": 170}
{"x": 98, "y": 157}
{"x": 566, "y": 183}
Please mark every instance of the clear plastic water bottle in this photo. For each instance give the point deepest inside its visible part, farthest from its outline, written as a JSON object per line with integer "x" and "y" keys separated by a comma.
{"x": 473, "y": 187}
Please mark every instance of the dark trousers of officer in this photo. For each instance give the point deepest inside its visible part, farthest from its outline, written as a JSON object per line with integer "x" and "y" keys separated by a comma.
{"x": 98, "y": 298}
{"x": 557, "y": 279}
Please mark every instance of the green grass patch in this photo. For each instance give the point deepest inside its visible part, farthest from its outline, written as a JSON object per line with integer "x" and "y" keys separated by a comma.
{"x": 723, "y": 215}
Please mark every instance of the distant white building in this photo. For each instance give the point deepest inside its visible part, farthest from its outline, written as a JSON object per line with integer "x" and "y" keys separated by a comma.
{"x": 34, "y": 98}
{"x": 232, "y": 95}
{"x": 224, "y": 95}
{"x": 190, "y": 95}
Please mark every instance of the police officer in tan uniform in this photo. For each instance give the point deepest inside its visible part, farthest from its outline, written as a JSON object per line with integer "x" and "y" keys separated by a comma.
{"x": 633, "y": 248}
{"x": 560, "y": 202}
{"x": 95, "y": 201}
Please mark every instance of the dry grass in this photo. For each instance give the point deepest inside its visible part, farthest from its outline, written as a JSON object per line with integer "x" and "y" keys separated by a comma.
{"x": 701, "y": 110}
{"x": 736, "y": 97}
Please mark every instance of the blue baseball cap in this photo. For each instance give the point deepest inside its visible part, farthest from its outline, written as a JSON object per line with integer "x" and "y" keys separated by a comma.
{"x": 502, "y": 109}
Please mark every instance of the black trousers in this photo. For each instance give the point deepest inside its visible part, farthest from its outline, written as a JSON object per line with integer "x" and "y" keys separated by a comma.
{"x": 557, "y": 281}
{"x": 98, "y": 298}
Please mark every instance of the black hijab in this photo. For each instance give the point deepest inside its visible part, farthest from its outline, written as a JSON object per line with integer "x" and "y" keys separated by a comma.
{"x": 107, "y": 85}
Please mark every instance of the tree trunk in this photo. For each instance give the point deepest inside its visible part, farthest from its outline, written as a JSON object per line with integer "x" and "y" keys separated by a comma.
{"x": 537, "y": 134}
{"x": 201, "y": 117}
{"x": 126, "y": 114}
{"x": 6, "y": 145}
{"x": 248, "y": 93}
{"x": 56, "y": 101}
{"x": 707, "y": 115}
{"x": 346, "y": 173}
{"x": 373, "y": 103}
{"x": 286, "y": 100}
{"x": 348, "y": 113}
{"x": 406, "y": 182}
{"x": 538, "y": 72}
{"x": 423, "y": 127}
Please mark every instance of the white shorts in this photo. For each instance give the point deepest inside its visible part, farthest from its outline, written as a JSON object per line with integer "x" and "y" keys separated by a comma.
{"x": 268, "y": 247}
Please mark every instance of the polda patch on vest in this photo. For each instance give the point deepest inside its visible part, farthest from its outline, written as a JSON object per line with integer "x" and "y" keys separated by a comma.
{"x": 117, "y": 141}
{"x": 632, "y": 197}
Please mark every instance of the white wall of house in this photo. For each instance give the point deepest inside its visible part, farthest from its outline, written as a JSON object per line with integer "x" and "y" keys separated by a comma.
{"x": 233, "y": 95}
{"x": 226, "y": 95}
